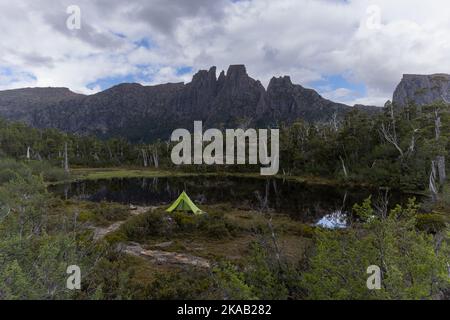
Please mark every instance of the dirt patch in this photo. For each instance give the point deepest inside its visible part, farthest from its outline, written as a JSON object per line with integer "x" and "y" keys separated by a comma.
{"x": 165, "y": 257}
{"x": 100, "y": 232}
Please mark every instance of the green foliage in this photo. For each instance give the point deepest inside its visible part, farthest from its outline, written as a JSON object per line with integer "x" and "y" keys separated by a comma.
{"x": 38, "y": 146}
{"x": 104, "y": 213}
{"x": 49, "y": 172}
{"x": 353, "y": 149}
{"x": 10, "y": 169}
{"x": 124, "y": 277}
{"x": 36, "y": 246}
{"x": 146, "y": 226}
{"x": 264, "y": 276}
{"x": 215, "y": 225}
{"x": 358, "y": 144}
{"x": 412, "y": 267}
{"x": 431, "y": 222}
{"x": 179, "y": 286}
{"x": 159, "y": 223}
{"x": 232, "y": 282}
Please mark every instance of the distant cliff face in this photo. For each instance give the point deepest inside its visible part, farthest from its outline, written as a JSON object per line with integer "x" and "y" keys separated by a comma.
{"x": 233, "y": 99}
{"x": 19, "y": 104}
{"x": 422, "y": 89}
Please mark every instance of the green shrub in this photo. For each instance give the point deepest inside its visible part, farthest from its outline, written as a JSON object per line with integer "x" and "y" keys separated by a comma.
{"x": 7, "y": 175}
{"x": 215, "y": 225}
{"x": 304, "y": 230}
{"x": 189, "y": 284}
{"x": 9, "y": 169}
{"x": 104, "y": 213}
{"x": 185, "y": 221}
{"x": 49, "y": 172}
{"x": 147, "y": 225}
{"x": 115, "y": 237}
{"x": 431, "y": 222}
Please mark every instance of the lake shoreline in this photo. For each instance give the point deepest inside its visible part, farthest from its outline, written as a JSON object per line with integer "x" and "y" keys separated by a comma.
{"x": 86, "y": 173}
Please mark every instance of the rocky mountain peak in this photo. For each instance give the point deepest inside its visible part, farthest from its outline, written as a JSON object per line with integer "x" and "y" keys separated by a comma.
{"x": 422, "y": 89}
{"x": 236, "y": 71}
{"x": 205, "y": 76}
{"x": 146, "y": 113}
{"x": 277, "y": 82}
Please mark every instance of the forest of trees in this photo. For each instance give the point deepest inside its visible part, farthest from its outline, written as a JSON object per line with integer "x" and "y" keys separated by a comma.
{"x": 406, "y": 149}
{"x": 399, "y": 148}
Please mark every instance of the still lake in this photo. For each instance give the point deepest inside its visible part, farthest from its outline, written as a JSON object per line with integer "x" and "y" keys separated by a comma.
{"x": 329, "y": 206}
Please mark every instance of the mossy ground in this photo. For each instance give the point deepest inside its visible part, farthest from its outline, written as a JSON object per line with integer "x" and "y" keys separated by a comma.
{"x": 130, "y": 172}
{"x": 223, "y": 234}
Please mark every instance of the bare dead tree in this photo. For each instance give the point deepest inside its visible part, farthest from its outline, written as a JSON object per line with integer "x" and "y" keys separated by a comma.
{"x": 440, "y": 162}
{"x": 155, "y": 156}
{"x": 391, "y": 113}
{"x": 412, "y": 144}
{"x": 381, "y": 204}
{"x": 391, "y": 137}
{"x": 432, "y": 182}
{"x": 263, "y": 204}
{"x": 66, "y": 159}
{"x": 440, "y": 159}
{"x": 109, "y": 151}
{"x": 335, "y": 122}
{"x": 344, "y": 169}
{"x": 144, "y": 157}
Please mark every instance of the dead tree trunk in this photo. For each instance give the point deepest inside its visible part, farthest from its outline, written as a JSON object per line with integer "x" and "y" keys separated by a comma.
{"x": 391, "y": 137}
{"x": 343, "y": 167}
{"x": 144, "y": 157}
{"x": 440, "y": 162}
{"x": 28, "y": 153}
{"x": 110, "y": 152}
{"x": 155, "y": 157}
{"x": 334, "y": 122}
{"x": 66, "y": 159}
{"x": 433, "y": 186}
{"x": 440, "y": 159}
{"x": 391, "y": 112}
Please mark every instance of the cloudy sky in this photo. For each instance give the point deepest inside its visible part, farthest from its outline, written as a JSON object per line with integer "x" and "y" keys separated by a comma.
{"x": 351, "y": 51}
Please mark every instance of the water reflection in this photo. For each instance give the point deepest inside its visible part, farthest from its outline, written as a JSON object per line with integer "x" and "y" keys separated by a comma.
{"x": 335, "y": 220}
{"x": 309, "y": 203}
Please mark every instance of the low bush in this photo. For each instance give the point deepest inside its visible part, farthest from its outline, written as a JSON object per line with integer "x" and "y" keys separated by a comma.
{"x": 104, "y": 213}
{"x": 146, "y": 226}
{"x": 48, "y": 171}
{"x": 431, "y": 222}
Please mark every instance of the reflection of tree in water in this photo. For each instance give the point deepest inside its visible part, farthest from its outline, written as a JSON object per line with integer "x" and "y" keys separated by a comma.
{"x": 302, "y": 201}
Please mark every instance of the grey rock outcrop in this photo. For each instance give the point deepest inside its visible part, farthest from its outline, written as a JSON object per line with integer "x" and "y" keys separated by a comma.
{"x": 421, "y": 90}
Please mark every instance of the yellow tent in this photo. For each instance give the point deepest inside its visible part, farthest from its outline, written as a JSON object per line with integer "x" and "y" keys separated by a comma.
{"x": 184, "y": 203}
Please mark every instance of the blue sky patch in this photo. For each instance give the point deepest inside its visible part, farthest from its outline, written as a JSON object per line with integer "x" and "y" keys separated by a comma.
{"x": 334, "y": 82}
{"x": 145, "y": 43}
{"x": 108, "y": 82}
{"x": 184, "y": 70}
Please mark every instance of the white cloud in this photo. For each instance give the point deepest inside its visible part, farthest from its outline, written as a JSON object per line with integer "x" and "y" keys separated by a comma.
{"x": 307, "y": 39}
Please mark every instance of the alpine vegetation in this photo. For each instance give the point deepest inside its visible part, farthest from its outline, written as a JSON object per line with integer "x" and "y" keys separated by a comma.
{"x": 235, "y": 147}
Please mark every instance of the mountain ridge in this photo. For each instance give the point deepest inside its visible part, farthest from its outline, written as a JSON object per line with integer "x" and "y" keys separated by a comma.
{"x": 145, "y": 113}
